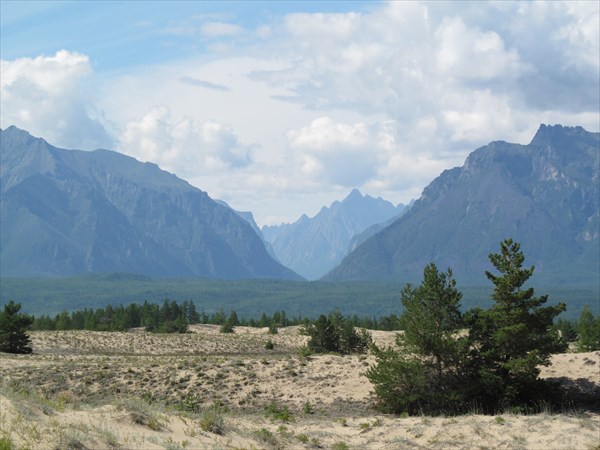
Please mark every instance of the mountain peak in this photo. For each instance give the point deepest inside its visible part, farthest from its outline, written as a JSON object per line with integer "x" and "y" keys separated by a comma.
{"x": 354, "y": 193}
{"x": 313, "y": 246}
{"x": 553, "y": 133}
{"x": 353, "y": 197}
{"x": 14, "y": 133}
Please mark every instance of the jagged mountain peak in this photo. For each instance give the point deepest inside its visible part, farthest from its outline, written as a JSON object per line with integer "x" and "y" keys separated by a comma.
{"x": 312, "y": 246}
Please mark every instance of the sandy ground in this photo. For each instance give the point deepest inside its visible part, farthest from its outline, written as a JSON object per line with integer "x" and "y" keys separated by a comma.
{"x": 139, "y": 390}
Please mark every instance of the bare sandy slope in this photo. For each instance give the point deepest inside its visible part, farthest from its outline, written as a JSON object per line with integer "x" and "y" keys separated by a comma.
{"x": 139, "y": 390}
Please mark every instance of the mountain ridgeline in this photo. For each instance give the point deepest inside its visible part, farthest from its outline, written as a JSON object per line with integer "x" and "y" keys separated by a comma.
{"x": 314, "y": 246}
{"x": 544, "y": 195}
{"x": 67, "y": 212}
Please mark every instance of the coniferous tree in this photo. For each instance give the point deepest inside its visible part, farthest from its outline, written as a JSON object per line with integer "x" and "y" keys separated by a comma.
{"x": 334, "y": 333}
{"x": 589, "y": 331}
{"x": 13, "y": 329}
{"x": 426, "y": 369}
{"x": 514, "y": 337}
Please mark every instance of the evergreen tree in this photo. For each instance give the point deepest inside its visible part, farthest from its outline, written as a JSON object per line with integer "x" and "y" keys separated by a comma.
{"x": 589, "y": 331}
{"x": 13, "y": 326}
{"x": 334, "y": 333}
{"x": 63, "y": 321}
{"x": 230, "y": 323}
{"x": 425, "y": 372}
{"x": 512, "y": 338}
{"x": 323, "y": 337}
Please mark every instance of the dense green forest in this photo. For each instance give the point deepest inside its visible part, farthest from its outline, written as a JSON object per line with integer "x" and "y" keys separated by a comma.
{"x": 250, "y": 298}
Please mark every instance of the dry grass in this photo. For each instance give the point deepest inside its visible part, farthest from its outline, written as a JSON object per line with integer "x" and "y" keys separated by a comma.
{"x": 206, "y": 389}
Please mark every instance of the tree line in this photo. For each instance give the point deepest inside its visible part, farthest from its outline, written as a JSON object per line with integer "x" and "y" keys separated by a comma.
{"x": 174, "y": 317}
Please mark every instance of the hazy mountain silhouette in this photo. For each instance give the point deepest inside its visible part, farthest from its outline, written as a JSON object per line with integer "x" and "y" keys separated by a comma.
{"x": 67, "y": 211}
{"x": 544, "y": 195}
{"x": 313, "y": 246}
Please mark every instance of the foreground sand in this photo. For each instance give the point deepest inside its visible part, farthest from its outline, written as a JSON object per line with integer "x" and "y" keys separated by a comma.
{"x": 139, "y": 390}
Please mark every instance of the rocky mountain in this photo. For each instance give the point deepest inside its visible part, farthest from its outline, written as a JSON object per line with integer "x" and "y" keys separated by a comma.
{"x": 67, "y": 212}
{"x": 313, "y": 246}
{"x": 544, "y": 195}
{"x": 374, "y": 229}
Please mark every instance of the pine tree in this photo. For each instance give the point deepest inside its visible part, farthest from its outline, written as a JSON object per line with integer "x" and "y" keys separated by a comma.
{"x": 425, "y": 371}
{"x": 13, "y": 326}
{"x": 515, "y": 336}
{"x": 589, "y": 331}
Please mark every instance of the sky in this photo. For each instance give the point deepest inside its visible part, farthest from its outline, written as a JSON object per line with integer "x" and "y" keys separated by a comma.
{"x": 280, "y": 108}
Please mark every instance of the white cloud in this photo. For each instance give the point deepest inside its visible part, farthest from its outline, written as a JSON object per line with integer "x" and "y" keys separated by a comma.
{"x": 187, "y": 147}
{"x": 45, "y": 95}
{"x": 474, "y": 54}
{"x": 345, "y": 155}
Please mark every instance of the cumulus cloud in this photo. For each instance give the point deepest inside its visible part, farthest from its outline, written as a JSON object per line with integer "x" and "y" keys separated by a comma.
{"x": 343, "y": 154}
{"x": 403, "y": 58}
{"x": 474, "y": 54}
{"x": 46, "y": 96}
{"x": 187, "y": 147}
{"x": 360, "y": 155}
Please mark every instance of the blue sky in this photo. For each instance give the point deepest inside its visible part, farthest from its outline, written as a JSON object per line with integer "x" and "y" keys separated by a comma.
{"x": 121, "y": 34}
{"x": 283, "y": 107}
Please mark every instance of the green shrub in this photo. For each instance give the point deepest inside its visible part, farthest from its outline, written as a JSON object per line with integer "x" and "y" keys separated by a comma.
{"x": 278, "y": 413}
{"x": 6, "y": 443}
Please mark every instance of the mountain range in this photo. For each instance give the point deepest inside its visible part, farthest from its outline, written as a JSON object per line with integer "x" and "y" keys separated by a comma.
{"x": 314, "y": 246}
{"x": 544, "y": 195}
{"x": 67, "y": 212}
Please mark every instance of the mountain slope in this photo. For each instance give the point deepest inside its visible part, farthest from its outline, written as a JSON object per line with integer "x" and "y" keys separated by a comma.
{"x": 66, "y": 212}
{"x": 313, "y": 246}
{"x": 544, "y": 195}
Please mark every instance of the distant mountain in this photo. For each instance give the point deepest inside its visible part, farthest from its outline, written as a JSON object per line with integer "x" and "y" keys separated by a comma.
{"x": 313, "y": 246}
{"x": 374, "y": 229}
{"x": 66, "y": 212}
{"x": 544, "y": 195}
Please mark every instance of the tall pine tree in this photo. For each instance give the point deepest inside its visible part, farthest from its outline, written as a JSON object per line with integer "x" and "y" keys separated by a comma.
{"x": 514, "y": 337}
{"x": 425, "y": 371}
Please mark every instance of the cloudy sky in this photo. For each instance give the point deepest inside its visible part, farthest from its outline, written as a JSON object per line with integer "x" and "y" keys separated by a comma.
{"x": 282, "y": 107}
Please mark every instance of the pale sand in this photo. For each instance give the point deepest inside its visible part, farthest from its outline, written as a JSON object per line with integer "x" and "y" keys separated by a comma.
{"x": 85, "y": 386}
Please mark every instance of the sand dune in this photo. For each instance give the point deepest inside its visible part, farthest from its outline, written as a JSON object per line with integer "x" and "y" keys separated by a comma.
{"x": 139, "y": 390}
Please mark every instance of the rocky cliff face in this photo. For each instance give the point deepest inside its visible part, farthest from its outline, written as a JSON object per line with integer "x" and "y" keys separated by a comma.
{"x": 313, "y": 246}
{"x": 544, "y": 195}
{"x": 66, "y": 212}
